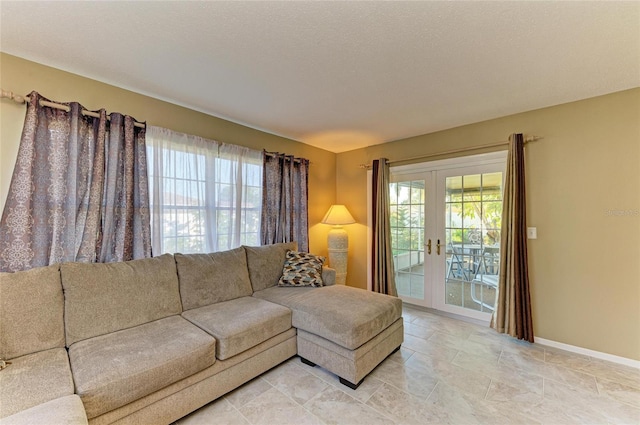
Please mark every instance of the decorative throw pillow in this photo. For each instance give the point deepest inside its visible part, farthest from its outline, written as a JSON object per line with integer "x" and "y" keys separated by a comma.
{"x": 302, "y": 269}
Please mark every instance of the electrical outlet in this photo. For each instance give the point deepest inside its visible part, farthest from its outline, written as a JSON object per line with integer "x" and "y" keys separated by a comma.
{"x": 532, "y": 233}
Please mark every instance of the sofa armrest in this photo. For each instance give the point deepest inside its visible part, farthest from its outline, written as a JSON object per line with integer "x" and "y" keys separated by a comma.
{"x": 328, "y": 276}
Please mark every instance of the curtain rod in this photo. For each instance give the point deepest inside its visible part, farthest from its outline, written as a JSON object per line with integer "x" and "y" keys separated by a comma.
{"x": 22, "y": 99}
{"x": 472, "y": 148}
{"x": 274, "y": 154}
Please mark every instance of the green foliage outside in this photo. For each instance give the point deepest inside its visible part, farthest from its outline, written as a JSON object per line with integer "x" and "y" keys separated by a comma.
{"x": 473, "y": 215}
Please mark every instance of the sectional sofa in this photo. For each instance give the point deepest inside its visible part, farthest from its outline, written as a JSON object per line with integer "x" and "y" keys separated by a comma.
{"x": 148, "y": 341}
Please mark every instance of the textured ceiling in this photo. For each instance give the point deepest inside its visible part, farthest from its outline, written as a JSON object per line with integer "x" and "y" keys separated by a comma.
{"x": 339, "y": 75}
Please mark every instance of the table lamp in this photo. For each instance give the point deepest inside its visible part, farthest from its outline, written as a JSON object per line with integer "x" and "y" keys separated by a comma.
{"x": 338, "y": 240}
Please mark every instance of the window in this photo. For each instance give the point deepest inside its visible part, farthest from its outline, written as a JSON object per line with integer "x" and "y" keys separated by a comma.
{"x": 205, "y": 196}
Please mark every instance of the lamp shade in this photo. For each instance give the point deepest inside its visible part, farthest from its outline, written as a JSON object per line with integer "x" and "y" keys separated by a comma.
{"x": 338, "y": 215}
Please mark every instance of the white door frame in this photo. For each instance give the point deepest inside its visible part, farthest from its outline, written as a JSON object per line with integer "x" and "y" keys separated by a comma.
{"x": 439, "y": 290}
{"x": 498, "y": 157}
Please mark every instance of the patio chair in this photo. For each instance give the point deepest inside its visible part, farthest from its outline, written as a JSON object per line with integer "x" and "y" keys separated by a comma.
{"x": 455, "y": 264}
{"x": 486, "y": 273}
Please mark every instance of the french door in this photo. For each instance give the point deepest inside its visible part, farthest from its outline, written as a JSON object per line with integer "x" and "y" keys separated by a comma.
{"x": 445, "y": 233}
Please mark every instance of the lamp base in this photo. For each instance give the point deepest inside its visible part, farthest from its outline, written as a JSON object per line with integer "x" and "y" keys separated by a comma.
{"x": 338, "y": 244}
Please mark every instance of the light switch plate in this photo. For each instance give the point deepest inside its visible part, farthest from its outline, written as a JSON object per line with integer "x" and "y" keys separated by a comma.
{"x": 532, "y": 233}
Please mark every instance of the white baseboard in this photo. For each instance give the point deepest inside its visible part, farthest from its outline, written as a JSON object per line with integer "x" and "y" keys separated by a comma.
{"x": 542, "y": 341}
{"x": 591, "y": 353}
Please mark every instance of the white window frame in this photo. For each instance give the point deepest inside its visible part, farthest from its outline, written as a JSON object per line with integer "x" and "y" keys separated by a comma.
{"x": 210, "y": 170}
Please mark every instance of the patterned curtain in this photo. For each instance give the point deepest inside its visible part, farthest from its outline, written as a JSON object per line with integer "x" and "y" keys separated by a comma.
{"x": 513, "y": 307}
{"x": 285, "y": 200}
{"x": 382, "y": 269}
{"x": 78, "y": 192}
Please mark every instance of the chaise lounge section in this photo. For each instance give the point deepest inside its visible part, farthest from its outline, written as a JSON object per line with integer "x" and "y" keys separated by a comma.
{"x": 344, "y": 330}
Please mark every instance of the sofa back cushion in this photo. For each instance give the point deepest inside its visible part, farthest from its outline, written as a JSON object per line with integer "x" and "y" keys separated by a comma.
{"x": 265, "y": 263}
{"x": 101, "y": 298}
{"x": 212, "y": 278}
{"x": 31, "y": 311}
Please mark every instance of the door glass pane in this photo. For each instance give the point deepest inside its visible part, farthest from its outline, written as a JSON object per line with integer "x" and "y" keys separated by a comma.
{"x": 393, "y": 193}
{"x": 473, "y": 208}
{"x": 407, "y": 236}
{"x": 454, "y": 186}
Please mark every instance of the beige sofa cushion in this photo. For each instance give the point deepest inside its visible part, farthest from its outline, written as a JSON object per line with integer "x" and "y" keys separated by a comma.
{"x": 34, "y": 379}
{"x": 240, "y": 324}
{"x": 104, "y": 298}
{"x": 66, "y": 410}
{"x": 115, "y": 369}
{"x": 31, "y": 311}
{"x": 265, "y": 263}
{"x": 346, "y": 316}
{"x": 212, "y": 278}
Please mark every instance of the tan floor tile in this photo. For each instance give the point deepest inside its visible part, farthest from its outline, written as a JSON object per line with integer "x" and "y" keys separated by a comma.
{"x": 625, "y": 375}
{"x": 483, "y": 361}
{"x": 401, "y": 356}
{"x": 426, "y": 321}
{"x": 491, "y": 413}
{"x": 570, "y": 377}
{"x": 411, "y": 380}
{"x": 295, "y": 382}
{"x": 402, "y": 407}
{"x": 525, "y": 382}
{"x": 274, "y": 407}
{"x": 364, "y": 392}
{"x": 446, "y": 339}
{"x": 522, "y": 360}
{"x": 451, "y": 326}
{"x": 415, "y": 313}
{"x": 587, "y": 406}
{"x": 503, "y": 392}
{"x": 417, "y": 330}
{"x": 428, "y": 347}
{"x": 619, "y": 391}
{"x": 483, "y": 335}
{"x": 566, "y": 359}
{"x": 241, "y": 396}
{"x": 550, "y": 371}
{"x": 455, "y": 407}
{"x": 475, "y": 347}
{"x": 219, "y": 411}
{"x": 534, "y": 352}
{"x": 336, "y": 407}
{"x": 451, "y": 406}
{"x": 430, "y": 365}
{"x": 554, "y": 412}
{"x": 468, "y": 381}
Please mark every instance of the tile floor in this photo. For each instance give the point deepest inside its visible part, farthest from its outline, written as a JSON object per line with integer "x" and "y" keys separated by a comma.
{"x": 447, "y": 371}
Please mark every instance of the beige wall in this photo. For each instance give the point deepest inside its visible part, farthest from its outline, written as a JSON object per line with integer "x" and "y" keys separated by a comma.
{"x": 21, "y": 76}
{"x": 585, "y": 264}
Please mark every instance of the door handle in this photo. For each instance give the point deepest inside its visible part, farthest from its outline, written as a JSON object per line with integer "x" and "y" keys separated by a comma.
{"x": 428, "y": 244}
{"x": 438, "y": 247}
